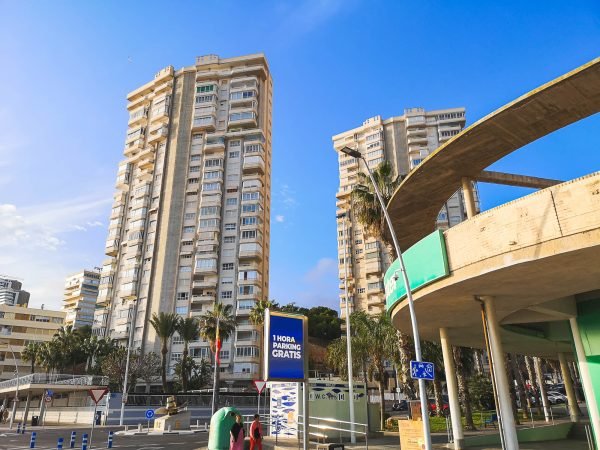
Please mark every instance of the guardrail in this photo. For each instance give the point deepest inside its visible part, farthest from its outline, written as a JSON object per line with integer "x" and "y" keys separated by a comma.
{"x": 42, "y": 378}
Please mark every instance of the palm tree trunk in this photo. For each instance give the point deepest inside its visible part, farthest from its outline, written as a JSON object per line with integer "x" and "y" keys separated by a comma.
{"x": 523, "y": 398}
{"x": 437, "y": 393}
{"x": 533, "y": 384}
{"x": 406, "y": 353}
{"x": 163, "y": 369}
{"x": 184, "y": 371}
{"x": 511, "y": 387}
{"x": 463, "y": 387}
{"x": 382, "y": 398}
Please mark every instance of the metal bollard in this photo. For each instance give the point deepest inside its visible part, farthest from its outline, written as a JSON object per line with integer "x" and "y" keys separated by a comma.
{"x": 84, "y": 442}
{"x": 32, "y": 441}
{"x": 110, "y": 440}
{"x": 73, "y": 436}
{"x": 169, "y": 429}
{"x": 205, "y": 426}
{"x": 59, "y": 444}
{"x": 23, "y": 429}
{"x": 19, "y": 428}
{"x": 139, "y": 427}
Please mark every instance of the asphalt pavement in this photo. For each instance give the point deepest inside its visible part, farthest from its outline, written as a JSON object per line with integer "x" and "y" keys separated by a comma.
{"x": 47, "y": 438}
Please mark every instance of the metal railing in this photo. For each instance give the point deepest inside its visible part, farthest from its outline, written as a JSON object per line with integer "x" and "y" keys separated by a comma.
{"x": 319, "y": 427}
{"x": 42, "y": 378}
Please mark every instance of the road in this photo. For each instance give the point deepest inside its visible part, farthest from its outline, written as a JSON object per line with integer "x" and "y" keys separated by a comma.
{"x": 47, "y": 439}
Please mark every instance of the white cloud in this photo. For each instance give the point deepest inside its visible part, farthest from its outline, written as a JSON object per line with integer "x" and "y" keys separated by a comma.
{"x": 95, "y": 223}
{"x": 287, "y": 196}
{"x": 279, "y": 218}
{"x": 307, "y": 15}
{"x": 319, "y": 285}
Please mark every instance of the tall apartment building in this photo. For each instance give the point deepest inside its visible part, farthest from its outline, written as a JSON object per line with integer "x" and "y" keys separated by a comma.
{"x": 20, "y": 325}
{"x": 11, "y": 292}
{"x": 191, "y": 216}
{"x": 79, "y": 302}
{"x": 404, "y": 141}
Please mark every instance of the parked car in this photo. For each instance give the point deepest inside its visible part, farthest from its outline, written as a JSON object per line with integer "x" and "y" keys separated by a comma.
{"x": 433, "y": 407}
{"x": 401, "y": 405}
{"x": 555, "y": 397}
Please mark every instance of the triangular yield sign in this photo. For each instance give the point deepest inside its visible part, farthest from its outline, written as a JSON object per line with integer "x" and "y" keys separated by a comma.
{"x": 259, "y": 385}
{"x": 97, "y": 394}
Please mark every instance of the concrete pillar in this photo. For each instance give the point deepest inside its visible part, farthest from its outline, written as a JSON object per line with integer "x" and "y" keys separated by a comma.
{"x": 452, "y": 386}
{"x": 497, "y": 355}
{"x": 542, "y": 385}
{"x": 574, "y": 411}
{"x": 586, "y": 380}
{"x": 42, "y": 409}
{"x": 469, "y": 195}
{"x": 27, "y": 402}
{"x": 4, "y": 402}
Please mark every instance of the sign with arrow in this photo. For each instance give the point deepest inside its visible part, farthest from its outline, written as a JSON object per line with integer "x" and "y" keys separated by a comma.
{"x": 260, "y": 385}
{"x": 97, "y": 394}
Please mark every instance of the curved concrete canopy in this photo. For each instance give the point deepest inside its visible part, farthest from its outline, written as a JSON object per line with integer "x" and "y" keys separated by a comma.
{"x": 532, "y": 254}
{"x": 418, "y": 200}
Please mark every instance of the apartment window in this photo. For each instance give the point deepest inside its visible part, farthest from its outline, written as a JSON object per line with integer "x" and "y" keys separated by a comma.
{"x": 188, "y": 229}
{"x": 206, "y": 263}
{"x": 229, "y": 239}
{"x": 212, "y": 175}
{"x": 246, "y": 290}
{"x": 358, "y": 251}
{"x": 226, "y": 280}
{"x": 234, "y": 143}
{"x": 181, "y": 310}
{"x": 360, "y": 290}
{"x": 209, "y": 210}
{"x": 250, "y": 196}
{"x": 213, "y": 163}
{"x": 241, "y": 95}
{"x": 249, "y": 221}
{"x": 189, "y": 216}
{"x": 195, "y": 158}
{"x": 249, "y": 234}
{"x": 183, "y": 296}
{"x": 185, "y": 269}
{"x": 375, "y": 286}
{"x": 251, "y": 352}
{"x": 186, "y": 256}
{"x": 374, "y": 136}
{"x": 224, "y": 354}
{"x": 176, "y": 357}
{"x": 193, "y": 180}
{"x": 211, "y": 186}
{"x": 235, "y": 154}
{"x": 206, "y": 88}
{"x": 232, "y": 190}
{"x": 241, "y": 116}
{"x": 416, "y": 162}
{"x": 195, "y": 169}
{"x": 204, "y": 98}
{"x": 226, "y": 294}
{"x": 209, "y": 223}
{"x": 229, "y": 226}
{"x": 231, "y": 201}
{"x": 371, "y": 245}
{"x": 358, "y": 241}
{"x": 136, "y": 235}
{"x": 374, "y": 154}
{"x": 230, "y": 212}
{"x": 249, "y": 208}
{"x": 227, "y": 266}
{"x": 187, "y": 243}
{"x": 375, "y": 162}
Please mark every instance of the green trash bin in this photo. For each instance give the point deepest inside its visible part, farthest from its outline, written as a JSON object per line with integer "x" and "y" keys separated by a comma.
{"x": 220, "y": 427}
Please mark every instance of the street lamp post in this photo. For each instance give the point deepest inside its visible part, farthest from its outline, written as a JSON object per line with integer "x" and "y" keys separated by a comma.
{"x": 413, "y": 318}
{"x": 348, "y": 342}
{"x": 14, "y": 408}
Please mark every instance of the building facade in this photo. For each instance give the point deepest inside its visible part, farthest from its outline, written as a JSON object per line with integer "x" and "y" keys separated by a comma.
{"x": 404, "y": 142}
{"x": 11, "y": 292}
{"x": 190, "y": 221}
{"x": 79, "y": 302}
{"x": 19, "y": 326}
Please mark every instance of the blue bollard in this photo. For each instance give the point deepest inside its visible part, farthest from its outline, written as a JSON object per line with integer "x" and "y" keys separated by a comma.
{"x": 32, "y": 441}
{"x": 84, "y": 442}
{"x": 19, "y": 428}
{"x": 73, "y": 436}
{"x": 59, "y": 444}
{"x": 110, "y": 440}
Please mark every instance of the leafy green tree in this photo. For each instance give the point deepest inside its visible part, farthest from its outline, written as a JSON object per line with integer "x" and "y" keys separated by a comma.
{"x": 482, "y": 394}
{"x": 432, "y": 351}
{"x": 145, "y": 367}
{"x": 189, "y": 330}
{"x": 324, "y": 323}
{"x": 32, "y": 353}
{"x": 164, "y": 325}
{"x": 198, "y": 374}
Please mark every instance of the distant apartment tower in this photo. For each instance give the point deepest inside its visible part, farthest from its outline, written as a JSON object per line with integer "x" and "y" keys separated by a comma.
{"x": 404, "y": 141}
{"x": 191, "y": 216}
{"x": 79, "y": 302}
{"x": 11, "y": 292}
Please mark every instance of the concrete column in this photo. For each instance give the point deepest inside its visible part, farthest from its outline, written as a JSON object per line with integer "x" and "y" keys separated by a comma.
{"x": 42, "y": 409}
{"x": 542, "y": 385}
{"x": 497, "y": 354}
{"x": 574, "y": 411}
{"x": 467, "y": 188}
{"x": 452, "y": 386}
{"x": 27, "y": 402}
{"x": 4, "y": 402}
{"x": 586, "y": 380}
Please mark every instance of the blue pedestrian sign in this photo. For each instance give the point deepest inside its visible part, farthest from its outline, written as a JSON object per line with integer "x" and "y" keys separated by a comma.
{"x": 421, "y": 370}
{"x": 149, "y": 414}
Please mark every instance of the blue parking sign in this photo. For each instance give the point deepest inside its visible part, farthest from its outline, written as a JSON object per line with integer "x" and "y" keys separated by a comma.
{"x": 149, "y": 414}
{"x": 421, "y": 370}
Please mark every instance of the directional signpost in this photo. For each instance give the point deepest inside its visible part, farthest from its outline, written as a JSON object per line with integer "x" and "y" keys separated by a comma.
{"x": 421, "y": 370}
{"x": 259, "y": 385}
{"x": 96, "y": 395}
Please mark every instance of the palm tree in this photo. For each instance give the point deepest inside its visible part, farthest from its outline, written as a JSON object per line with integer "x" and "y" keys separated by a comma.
{"x": 68, "y": 341}
{"x": 164, "y": 325}
{"x": 219, "y": 318}
{"x": 464, "y": 358}
{"x": 31, "y": 353}
{"x": 257, "y": 313}
{"x": 432, "y": 351}
{"x": 189, "y": 330}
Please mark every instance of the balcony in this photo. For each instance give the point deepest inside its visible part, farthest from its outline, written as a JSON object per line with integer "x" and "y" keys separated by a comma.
{"x": 214, "y": 145}
{"x": 242, "y": 120}
{"x": 128, "y": 291}
{"x": 112, "y": 247}
{"x": 239, "y": 375}
{"x": 104, "y": 298}
{"x": 158, "y": 133}
{"x": 204, "y": 298}
{"x": 253, "y": 251}
{"x": 139, "y": 116}
{"x": 164, "y": 87}
{"x": 373, "y": 266}
{"x": 244, "y": 83}
{"x": 133, "y": 146}
{"x": 417, "y": 140}
{"x": 160, "y": 114}
{"x": 204, "y": 270}
{"x": 205, "y": 123}
{"x": 416, "y": 132}
{"x": 253, "y": 164}
{"x": 210, "y": 199}
{"x": 123, "y": 181}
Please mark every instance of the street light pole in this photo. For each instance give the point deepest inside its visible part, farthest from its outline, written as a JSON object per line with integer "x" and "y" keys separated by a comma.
{"x": 14, "y": 409}
{"x": 348, "y": 341}
{"x": 413, "y": 318}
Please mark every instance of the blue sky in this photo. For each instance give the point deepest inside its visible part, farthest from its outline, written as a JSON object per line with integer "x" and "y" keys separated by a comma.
{"x": 67, "y": 67}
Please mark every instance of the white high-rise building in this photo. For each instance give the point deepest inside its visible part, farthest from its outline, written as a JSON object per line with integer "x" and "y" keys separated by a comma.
{"x": 191, "y": 216}
{"x": 11, "y": 293}
{"x": 79, "y": 302}
{"x": 404, "y": 141}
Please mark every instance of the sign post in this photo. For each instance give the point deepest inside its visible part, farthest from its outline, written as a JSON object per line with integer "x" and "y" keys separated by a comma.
{"x": 149, "y": 417}
{"x": 286, "y": 357}
{"x": 421, "y": 370}
{"x": 96, "y": 395}
{"x": 259, "y": 385}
